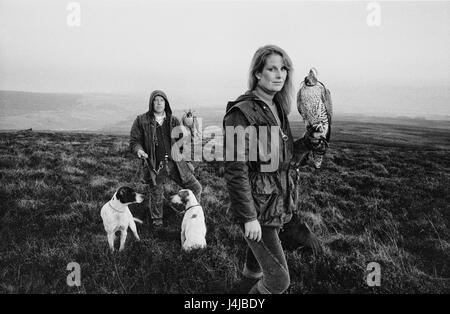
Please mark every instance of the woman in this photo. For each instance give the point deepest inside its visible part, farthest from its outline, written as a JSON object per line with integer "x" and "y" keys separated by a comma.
{"x": 262, "y": 197}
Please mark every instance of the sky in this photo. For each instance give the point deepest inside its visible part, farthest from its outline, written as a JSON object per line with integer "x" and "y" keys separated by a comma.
{"x": 200, "y": 51}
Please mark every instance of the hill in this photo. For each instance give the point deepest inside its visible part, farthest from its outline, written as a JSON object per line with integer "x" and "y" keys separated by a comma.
{"x": 115, "y": 113}
{"x": 382, "y": 196}
{"x": 104, "y": 113}
{"x": 54, "y": 111}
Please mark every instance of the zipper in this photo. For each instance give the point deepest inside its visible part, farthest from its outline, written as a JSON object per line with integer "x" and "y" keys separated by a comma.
{"x": 284, "y": 137}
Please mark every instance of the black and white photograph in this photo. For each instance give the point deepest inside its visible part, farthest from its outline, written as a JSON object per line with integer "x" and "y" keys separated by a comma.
{"x": 224, "y": 148}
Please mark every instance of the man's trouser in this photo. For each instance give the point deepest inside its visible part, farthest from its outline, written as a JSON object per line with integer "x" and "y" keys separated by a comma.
{"x": 157, "y": 191}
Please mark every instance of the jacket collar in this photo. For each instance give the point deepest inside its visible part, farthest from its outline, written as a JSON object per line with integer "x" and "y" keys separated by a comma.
{"x": 160, "y": 120}
{"x": 250, "y": 96}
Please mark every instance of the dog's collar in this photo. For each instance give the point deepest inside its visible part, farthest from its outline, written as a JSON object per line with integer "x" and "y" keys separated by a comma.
{"x": 191, "y": 207}
{"x": 120, "y": 211}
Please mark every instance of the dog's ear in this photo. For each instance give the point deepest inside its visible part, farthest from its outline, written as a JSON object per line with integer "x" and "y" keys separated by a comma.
{"x": 125, "y": 194}
{"x": 184, "y": 196}
{"x": 120, "y": 193}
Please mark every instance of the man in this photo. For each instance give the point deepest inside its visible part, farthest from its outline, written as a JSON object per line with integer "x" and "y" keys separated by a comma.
{"x": 150, "y": 139}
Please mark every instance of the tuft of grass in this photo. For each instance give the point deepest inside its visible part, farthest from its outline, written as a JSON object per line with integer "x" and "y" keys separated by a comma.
{"x": 101, "y": 181}
{"x": 73, "y": 170}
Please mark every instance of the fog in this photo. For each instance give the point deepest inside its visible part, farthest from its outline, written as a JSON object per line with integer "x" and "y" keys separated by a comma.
{"x": 199, "y": 52}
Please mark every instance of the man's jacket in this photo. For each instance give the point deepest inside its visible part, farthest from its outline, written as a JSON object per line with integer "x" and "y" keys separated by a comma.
{"x": 143, "y": 136}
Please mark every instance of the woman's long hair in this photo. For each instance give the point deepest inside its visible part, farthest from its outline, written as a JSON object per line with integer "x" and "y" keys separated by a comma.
{"x": 285, "y": 96}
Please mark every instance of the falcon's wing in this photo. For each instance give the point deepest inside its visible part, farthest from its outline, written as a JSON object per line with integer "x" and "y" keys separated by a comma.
{"x": 329, "y": 106}
{"x": 326, "y": 98}
{"x": 301, "y": 104}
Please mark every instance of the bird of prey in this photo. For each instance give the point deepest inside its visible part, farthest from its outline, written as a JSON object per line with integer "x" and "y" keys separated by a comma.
{"x": 315, "y": 106}
{"x": 190, "y": 121}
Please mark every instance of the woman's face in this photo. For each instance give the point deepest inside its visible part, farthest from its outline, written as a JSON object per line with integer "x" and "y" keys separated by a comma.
{"x": 273, "y": 75}
{"x": 159, "y": 104}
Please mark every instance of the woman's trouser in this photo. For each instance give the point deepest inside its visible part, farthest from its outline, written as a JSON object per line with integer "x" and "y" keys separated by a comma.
{"x": 266, "y": 260}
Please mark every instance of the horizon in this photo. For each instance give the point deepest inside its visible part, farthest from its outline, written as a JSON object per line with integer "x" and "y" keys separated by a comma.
{"x": 422, "y": 103}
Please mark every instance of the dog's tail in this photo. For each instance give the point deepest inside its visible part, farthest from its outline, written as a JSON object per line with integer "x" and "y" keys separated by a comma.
{"x": 138, "y": 220}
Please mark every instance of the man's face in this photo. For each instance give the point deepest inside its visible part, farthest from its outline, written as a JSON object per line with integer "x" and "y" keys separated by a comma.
{"x": 159, "y": 104}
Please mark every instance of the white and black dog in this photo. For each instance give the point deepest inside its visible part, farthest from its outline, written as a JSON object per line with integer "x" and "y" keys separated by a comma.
{"x": 117, "y": 216}
{"x": 193, "y": 228}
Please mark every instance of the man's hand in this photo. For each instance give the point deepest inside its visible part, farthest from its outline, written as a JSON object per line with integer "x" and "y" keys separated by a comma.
{"x": 142, "y": 154}
{"x": 253, "y": 230}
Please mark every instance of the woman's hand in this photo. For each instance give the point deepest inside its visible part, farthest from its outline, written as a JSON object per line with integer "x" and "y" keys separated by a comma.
{"x": 142, "y": 154}
{"x": 253, "y": 230}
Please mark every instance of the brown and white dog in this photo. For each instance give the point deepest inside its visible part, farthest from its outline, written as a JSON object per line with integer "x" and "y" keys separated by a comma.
{"x": 193, "y": 228}
{"x": 117, "y": 216}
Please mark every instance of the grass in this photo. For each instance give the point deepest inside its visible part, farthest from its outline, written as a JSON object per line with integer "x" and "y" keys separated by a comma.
{"x": 375, "y": 200}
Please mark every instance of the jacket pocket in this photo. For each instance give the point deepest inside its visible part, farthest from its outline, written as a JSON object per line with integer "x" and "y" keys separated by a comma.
{"x": 266, "y": 197}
